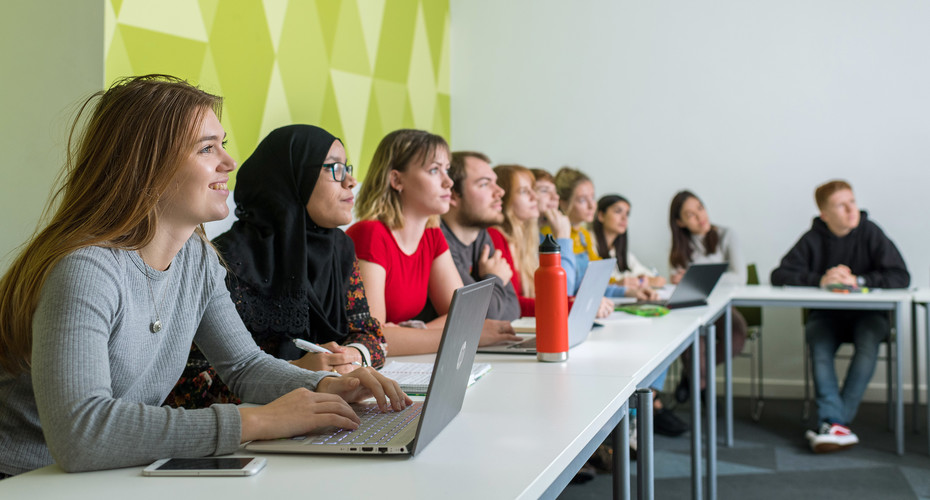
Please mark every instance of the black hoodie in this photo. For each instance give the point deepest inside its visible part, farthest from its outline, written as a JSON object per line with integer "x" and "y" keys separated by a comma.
{"x": 865, "y": 250}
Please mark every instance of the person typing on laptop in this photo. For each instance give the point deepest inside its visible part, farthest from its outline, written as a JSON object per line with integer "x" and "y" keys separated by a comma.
{"x": 100, "y": 308}
{"x": 842, "y": 247}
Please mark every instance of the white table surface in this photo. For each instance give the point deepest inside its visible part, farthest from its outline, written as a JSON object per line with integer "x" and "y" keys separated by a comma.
{"x": 515, "y": 434}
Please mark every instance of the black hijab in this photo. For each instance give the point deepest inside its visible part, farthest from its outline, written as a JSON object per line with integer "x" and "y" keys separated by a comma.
{"x": 291, "y": 276}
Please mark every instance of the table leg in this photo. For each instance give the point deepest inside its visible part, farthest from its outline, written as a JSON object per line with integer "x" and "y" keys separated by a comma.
{"x": 899, "y": 379}
{"x": 696, "y": 469}
{"x": 915, "y": 364}
{"x": 927, "y": 361}
{"x": 710, "y": 337}
{"x": 621, "y": 457}
{"x": 645, "y": 463}
{"x": 728, "y": 377}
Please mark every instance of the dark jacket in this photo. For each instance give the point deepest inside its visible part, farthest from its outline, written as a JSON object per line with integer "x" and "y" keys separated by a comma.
{"x": 865, "y": 250}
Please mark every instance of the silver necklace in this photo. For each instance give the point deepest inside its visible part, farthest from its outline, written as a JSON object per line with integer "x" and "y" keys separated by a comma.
{"x": 155, "y": 326}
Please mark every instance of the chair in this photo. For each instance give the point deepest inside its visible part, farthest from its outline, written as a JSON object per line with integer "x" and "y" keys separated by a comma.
{"x": 753, "y": 316}
{"x": 889, "y": 343}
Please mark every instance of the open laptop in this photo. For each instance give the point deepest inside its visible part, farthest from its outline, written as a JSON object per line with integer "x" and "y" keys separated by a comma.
{"x": 409, "y": 431}
{"x": 580, "y": 318}
{"x": 695, "y": 286}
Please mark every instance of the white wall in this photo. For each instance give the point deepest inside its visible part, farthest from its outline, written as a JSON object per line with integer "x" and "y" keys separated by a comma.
{"x": 51, "y": 56}
{"x": 749, "y": 104}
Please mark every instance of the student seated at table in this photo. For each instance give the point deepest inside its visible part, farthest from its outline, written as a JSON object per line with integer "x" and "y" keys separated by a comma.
{"x": 576, "y": 201}
{"x": 631, "y": 278}
{"x": 547, "y": 199}
{"x": 842, "y": 247}
{"x": 403, "y": 256}
{"x": 517, "y": 237}
{"x": 99, "y": 309}
{"x": 474, "y": 207}
{"x": 293, "y": 272}
{"x": 518, "y": 233}
{"x": 610, "y": 233}
{"x": 696, "y": 241}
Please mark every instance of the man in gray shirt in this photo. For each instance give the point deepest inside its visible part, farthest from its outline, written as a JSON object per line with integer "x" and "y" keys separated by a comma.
{"x": 476, "y": 206}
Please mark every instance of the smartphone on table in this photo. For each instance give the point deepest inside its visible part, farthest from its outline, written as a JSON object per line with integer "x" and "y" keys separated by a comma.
{"x": 206, "y": 466}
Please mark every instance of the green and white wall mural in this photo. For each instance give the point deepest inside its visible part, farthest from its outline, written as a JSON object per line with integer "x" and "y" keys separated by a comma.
{"x": 359, "y": 68}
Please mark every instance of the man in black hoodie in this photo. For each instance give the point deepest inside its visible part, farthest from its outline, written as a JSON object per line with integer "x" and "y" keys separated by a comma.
{"x": 842, "y": 247}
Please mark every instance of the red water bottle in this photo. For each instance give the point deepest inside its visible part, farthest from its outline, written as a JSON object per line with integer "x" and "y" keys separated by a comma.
{"x": 551, "y": 304}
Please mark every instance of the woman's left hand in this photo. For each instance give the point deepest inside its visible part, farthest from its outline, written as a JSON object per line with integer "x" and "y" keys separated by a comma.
{"x": 364, "y": 383}
{"x": 341, "y": 359}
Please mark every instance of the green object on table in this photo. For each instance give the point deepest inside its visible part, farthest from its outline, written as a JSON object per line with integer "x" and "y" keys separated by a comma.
{"x": 649, "y": 310}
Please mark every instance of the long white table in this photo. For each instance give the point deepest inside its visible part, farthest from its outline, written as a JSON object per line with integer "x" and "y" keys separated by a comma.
{"x": 515, "y": 436}
{"x": 526, "y": 427}
{"x": 524, "y": 431}
{"x": 896, "y": 301}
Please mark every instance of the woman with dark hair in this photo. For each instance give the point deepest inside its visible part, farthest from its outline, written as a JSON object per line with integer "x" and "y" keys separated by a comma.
{"x": 293, "y": 272}
{"x": 610, "y": 233}
{"x": 696, "y": 241}
{"x": 631, "y": 278}
{"x": 98, "y": 312}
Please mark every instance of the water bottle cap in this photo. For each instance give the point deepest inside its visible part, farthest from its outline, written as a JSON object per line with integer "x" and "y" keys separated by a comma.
{"x": 549, "y": 245}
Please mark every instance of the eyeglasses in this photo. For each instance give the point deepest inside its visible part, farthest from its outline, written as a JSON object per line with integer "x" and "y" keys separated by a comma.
{"x": 339, "y": 170}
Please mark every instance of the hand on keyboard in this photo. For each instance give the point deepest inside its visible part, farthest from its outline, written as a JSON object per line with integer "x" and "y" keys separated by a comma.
{"x": 298, "y": 412}
{"x": 365, "y": 383}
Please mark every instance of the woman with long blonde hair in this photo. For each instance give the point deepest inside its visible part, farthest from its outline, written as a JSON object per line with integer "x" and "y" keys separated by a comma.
{"x": 518, "y": 235}
{"x": 403, "y": 256}
{"x": 98, "y": 312}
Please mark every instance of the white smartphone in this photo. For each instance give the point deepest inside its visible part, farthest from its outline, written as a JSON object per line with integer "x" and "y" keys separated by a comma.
{"x": 206, "y": 466}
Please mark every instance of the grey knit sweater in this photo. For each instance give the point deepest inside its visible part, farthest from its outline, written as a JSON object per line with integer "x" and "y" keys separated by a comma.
{"x": 99, "y": 374}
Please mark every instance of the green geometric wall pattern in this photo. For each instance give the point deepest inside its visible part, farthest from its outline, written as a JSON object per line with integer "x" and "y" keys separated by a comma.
{"x": 358, "y": 68}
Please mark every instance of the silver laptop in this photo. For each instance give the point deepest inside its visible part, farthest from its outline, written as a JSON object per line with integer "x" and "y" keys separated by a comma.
{"x": 409, "y": 431}
{"x": 580, "y": 319}
{"x": 695, "y": 286}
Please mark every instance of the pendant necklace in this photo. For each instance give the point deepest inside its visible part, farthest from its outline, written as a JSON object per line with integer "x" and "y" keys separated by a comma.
{"x": 154, "y": 326}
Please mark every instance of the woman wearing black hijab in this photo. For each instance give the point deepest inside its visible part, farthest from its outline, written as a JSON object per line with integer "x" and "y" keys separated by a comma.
{"x": 292, "y": 272}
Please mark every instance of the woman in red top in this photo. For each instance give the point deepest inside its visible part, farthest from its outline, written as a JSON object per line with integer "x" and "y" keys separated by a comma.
{"x": 403, "y": 255}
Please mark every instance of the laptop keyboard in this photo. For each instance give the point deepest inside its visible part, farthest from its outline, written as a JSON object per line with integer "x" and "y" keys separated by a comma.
{"x": 376, "y": 427}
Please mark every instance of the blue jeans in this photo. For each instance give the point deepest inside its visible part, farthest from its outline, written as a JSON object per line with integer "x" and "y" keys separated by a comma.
{"x": 825, "y": 331}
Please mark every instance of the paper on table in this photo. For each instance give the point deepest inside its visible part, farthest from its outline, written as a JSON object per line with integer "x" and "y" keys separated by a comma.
{"x": 414, "y": 377}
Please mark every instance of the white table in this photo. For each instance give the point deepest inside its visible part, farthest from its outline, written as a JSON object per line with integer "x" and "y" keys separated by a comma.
{"x": 897, "y": 301}
{"x": 516, "y": 435}
{"x": 524, "y": 431}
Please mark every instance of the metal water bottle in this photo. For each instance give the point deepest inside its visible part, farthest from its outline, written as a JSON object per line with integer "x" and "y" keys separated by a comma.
{"x": 551, "y": 304}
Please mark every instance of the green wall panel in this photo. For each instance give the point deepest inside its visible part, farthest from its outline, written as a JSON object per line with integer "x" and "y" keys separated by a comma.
{"x": 359, "y": 68}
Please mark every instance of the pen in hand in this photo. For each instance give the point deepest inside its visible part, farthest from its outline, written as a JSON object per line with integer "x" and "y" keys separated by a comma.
{"x": 311, "y": 347}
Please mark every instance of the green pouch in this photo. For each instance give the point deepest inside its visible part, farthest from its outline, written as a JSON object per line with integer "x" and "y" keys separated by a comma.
{"x": 649, "y": 310}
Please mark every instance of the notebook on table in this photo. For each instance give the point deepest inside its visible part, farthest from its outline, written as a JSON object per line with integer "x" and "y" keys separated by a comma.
{"x": 580, "y": 318}
{"x": 409, "y": 431}
{"x": 414, "y": 377}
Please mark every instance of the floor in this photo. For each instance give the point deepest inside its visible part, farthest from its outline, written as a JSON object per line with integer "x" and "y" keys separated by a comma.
{"x": 770, "y": 459}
